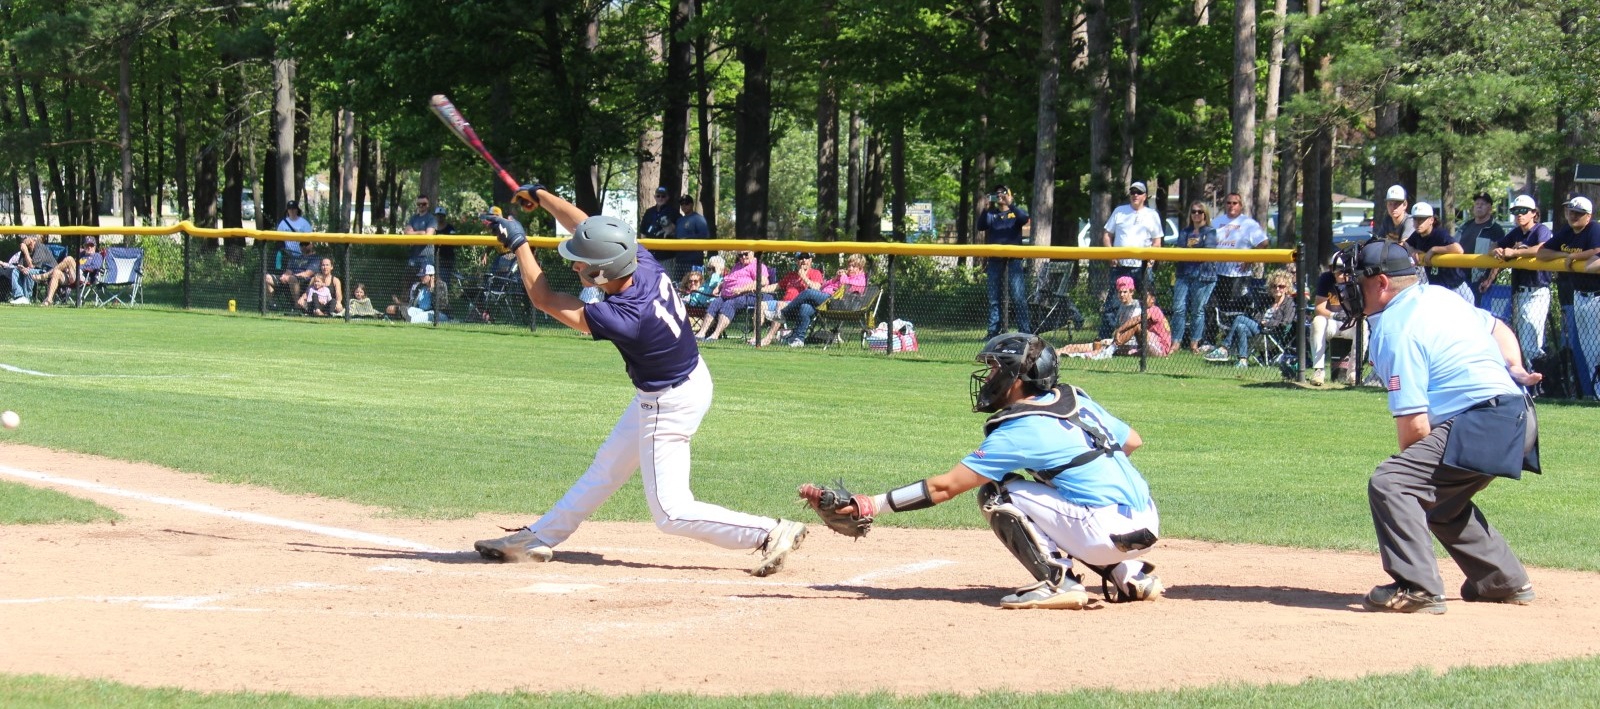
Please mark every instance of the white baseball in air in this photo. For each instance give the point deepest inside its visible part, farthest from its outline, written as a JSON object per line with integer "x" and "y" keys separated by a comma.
{"x": 10, "y": 419}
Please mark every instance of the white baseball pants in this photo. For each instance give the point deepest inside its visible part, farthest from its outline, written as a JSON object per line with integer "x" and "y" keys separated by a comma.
{"x": 1324, "y": 331}
{"x": 1533, "y": 306}
{"x": 1084, "y": 533}
{"x": 1586, "y": 322}
{"x": 653, "y": 437}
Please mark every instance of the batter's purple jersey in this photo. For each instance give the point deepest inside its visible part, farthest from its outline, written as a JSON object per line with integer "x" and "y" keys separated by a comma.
{"x": 649, "y": 326}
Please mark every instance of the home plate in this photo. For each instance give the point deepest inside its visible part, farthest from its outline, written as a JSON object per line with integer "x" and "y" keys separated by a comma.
{"x": 557, "y": 588}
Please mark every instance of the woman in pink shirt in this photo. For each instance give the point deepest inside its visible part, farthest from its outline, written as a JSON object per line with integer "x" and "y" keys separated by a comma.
{"x": 739, "y": 291}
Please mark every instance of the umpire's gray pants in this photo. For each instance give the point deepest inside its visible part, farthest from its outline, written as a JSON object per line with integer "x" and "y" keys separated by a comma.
{"x": 1412, "y": 494}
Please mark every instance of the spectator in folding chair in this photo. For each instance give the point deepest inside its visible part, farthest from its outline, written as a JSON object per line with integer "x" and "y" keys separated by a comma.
{"x": 741, "y": 289}
{"x": 1262, "y": 311}
{"x": 297, "y": 271}
{"x": 419, "y": 307}
{"x": 802, "y": 279}
{"x": 33, "y": 262}
{"x": 64, "y": 273}
{"x": 803, "y": 308}
{"x": 91, "y": 265}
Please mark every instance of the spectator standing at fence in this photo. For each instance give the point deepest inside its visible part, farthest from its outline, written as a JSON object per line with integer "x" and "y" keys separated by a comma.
{"x": 660, "y": 221}
{"x": 1002, "y": 225}
{"x": 1396, "y": 225}
{"x": 293, "y": 221}
{"x": 691, "y": 225}
{"x": 1429, "y": 241}
{"x": 1132, "y": 225}
{"x": 1480, "y": 235}
{"x": 1454, "y": 394}
{"x": 1574, "y": 244}
{"x": 422, "y": 223}
{"x": 1235, "y": 230}
{"x": 803, "y": 309}
{"x": 1195, "y": 279}
{"x": 1530, "y": 290}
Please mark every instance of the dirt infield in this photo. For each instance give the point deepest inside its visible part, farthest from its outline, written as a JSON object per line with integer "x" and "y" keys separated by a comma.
{"x": 180, "y": 595}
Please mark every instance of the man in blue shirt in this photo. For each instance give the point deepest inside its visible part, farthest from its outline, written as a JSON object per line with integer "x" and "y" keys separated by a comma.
{"x": 1002, "y": 224}
{"x": 1447, "y": 366}
{"x": 1085, "y": 500}
{"x": 643, "y": 318}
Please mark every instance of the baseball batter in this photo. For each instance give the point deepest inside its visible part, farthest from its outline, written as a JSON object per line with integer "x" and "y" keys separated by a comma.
{"x": 642, "y": 316}
{"x": 1085, "y": 500}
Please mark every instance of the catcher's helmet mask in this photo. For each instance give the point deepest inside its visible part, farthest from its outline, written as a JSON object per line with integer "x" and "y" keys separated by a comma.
{"x": 605, "y": 246}
{"x": 1007, "y": 358}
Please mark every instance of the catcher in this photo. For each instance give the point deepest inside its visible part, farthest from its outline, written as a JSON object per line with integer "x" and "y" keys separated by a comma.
{"x": 1085, "y": 500}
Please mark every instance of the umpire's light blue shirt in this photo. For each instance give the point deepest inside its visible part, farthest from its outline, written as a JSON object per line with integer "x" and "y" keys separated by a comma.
{"x": 1436, "y": 354}
{"x": 1044, "y": 442}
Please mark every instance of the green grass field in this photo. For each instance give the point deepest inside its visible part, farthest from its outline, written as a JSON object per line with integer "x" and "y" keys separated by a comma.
{"x": 455, "y": 421}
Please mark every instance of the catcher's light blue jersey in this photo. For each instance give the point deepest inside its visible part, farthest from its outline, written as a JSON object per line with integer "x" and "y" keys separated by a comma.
{"x": 1044, "y": 442}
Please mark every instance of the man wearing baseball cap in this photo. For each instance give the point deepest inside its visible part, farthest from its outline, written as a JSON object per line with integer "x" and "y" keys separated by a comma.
{"x": 1530, "y": 289}
{"x": 1577, "y": 242}
{"x": 1480, "y": 235}
{"x": 1397, "y": 225}
{"x": 1001, "y": 225}
{"x": 1429, "y": 241}
{"x": 658, "y": 223}
{"x": 292, "y": 221}
{"x": 1455, "y": 381}
{"x": 1132, "y": 225}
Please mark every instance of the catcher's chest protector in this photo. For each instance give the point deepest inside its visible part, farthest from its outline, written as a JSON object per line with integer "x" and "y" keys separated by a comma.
{"x": 1069, "y": 411}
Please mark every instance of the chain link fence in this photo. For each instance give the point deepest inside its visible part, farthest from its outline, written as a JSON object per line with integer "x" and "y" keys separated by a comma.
{"x": 1102, "y": 314}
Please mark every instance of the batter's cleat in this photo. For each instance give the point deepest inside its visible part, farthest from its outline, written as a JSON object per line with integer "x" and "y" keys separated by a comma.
{"x": 1397, "y": 598}
{"x": 1069, "y": 596}
{"x": 1146, "y": 587}
{"x": 1520, "y": 597}
{"x": 519, "y": 547}
{"x": 784, "y": 538}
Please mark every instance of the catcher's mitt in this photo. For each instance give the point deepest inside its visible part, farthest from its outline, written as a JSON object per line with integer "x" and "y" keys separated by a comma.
{"x": 826, "y": 502}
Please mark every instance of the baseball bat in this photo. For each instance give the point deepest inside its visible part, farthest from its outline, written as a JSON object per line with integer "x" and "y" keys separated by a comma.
{"x": 447, "y": 112}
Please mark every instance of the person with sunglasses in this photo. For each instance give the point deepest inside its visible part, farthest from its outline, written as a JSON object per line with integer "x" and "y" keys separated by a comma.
{"x": 1195, "y": 279}
{"x": 421, "y": 223}
{"x": 1573, "y": 244}
{"x": 1132, "y": 225}
{"x": 1530, "y": 295}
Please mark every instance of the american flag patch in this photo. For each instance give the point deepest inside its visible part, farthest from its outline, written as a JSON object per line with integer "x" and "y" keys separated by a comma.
{"x": 1394, "y": 383}
{"x": 978, "y": 453}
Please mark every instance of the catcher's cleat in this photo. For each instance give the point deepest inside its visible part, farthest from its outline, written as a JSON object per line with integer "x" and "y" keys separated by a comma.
{"x": 1144, "y": 588}
{"x": 1068, "y": 596}
{"x": 784, "y": 538}
{"x": 519, "y": 547}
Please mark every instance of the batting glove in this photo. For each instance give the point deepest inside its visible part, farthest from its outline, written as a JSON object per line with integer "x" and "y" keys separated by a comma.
{"x": 527, "y": 196}
{"x": 508, "y": 231}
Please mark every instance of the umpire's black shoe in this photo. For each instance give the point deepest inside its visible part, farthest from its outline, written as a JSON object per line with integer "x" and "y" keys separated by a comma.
{"x": 1398, "y": 598}
{"x": 1520, "y": 597}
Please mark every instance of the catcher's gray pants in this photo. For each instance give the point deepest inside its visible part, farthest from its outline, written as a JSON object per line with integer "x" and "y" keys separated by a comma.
{"x": 1410, "y": 495}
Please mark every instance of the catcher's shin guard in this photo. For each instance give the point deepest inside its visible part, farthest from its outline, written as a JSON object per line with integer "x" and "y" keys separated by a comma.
{"x": 1018, "y": 535}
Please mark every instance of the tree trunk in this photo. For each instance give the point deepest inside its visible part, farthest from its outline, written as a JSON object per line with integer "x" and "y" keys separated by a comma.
{"x": 347, "y": 144}
{"x": 283, "y": 125}
{"x": 1044, "y": 161}
{"x": 180, "y": 131}
{"x": 71, "y": 196}
{"x": 675, "y": 122}
{"x": 1288, "y": 150}
{"x": 124, "y": 129}
{"x": 984, "y": 161}
{"x": 869, "y": 224}
{"x": 1100, "y": 181}
{"x": 428, "y": 181}
{"x": 145, "y": 193}
{"x": 1242, "y": 174}
{"x": 62, "y": 200}
{"x": 302, "y": 142}
{"x": 1269, "y": 140}
{"x": 709, "y": 151}
{"x": 363, "y": 175}
{"x": 753, "y": 144}
{"x": 335, "y": 215}
{"x": 853, "y": 177}
{"x": 1386, "y": 124}
{"x": 650, "y": 139}
{"x": 1130, "y": 108}
{"x": 1446, "y": 217}
{"x": 964, "y": 202}
{"x": 205, "y": 187}
{"x": 32, "y": 154}
{"x": 827, "y": 135}
{"x": 897, "y": 180}
{"x": 13, "y": 179}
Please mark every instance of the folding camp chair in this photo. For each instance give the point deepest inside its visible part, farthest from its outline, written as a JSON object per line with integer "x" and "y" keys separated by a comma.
{"x": 124, "y": 270}
{"x": 855, "y": 309}
{"x": 501, "y": 297}
{"x": 1052, "y": 296}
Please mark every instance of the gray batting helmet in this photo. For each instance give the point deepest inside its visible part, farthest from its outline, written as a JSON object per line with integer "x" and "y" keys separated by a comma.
{"x": 606, "y": 245}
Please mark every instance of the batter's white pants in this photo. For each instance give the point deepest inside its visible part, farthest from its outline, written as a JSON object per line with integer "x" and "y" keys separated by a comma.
{"x": 1533, "y": 306}
{"x": 653, "y": 437}
{"x": 1324, "y": 331}
{"x": 1084, "y": 533}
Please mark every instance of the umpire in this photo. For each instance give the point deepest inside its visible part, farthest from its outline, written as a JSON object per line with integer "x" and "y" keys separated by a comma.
{"x": 1454, "y": 377}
